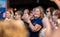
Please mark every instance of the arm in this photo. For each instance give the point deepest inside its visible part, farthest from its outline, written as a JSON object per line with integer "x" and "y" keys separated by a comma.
{"x": 48, "y": 28}
{"x": 35, "y": 28}
{"x": 38, "y": 27}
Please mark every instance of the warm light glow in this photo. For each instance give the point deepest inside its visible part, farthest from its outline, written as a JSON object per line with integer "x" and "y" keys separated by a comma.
{"x": 15, "y": 9}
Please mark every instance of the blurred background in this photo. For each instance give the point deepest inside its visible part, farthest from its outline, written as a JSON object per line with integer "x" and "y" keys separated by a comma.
{"x": 23, "y": 4}
{"x": 30, "y": 3}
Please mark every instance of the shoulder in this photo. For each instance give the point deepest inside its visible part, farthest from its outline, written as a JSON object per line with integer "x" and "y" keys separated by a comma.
{"x": 44, "y": 19}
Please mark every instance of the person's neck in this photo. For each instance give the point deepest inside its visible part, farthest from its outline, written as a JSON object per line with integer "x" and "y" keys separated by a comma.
{"x": 18, "y": 19}
{"x": 48, "y": 17}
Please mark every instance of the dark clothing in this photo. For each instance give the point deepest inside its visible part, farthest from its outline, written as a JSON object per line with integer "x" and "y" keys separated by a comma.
{"x": 34, "y": 22}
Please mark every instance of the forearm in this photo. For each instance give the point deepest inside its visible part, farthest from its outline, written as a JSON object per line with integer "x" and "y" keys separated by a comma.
{"x": 35, "y": 28}
{"x": 48, "y": 29}
{"x": 31, "y": 26}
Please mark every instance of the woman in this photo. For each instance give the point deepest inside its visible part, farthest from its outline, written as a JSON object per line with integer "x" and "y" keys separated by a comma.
{"x": 9, "y": 15}
{"x": 48, "y": 28}
{"x": 57, "y": 31}
{"x": 49, "y": 18}
{"x": 18, "y": 16}
{"x": 25, "y": 15}
{"x": 36, "y": 24}
{"x": 49, "y": 13}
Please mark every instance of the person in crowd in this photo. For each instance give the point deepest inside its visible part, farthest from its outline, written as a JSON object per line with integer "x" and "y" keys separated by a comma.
{"x": 48, "y": 28}
{"x": 54, "y": 19}
{"x": 13, "y": 29}
{"x": 25, "y": 15}
{"x": 57, "y": 31}
{"x": 9, "y": 15}
{"x": 57, "y": 2}
{"x": 18, "y": 16}
{"x": 31, "y": 15}
{"x": 36, "y": 24}
{"x": 49, "y": 12}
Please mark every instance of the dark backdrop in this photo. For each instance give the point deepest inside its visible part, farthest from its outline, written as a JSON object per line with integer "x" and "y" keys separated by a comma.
{"x": 31, "y": 3}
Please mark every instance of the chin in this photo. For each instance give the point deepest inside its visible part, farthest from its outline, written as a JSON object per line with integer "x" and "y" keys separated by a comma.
{"x": 36, "y": 15}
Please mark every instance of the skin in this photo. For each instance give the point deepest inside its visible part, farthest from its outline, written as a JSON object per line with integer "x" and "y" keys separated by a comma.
{"x": 13, "y": 29}
{"x": 47, "y": 26}
{"x": 55, "y": 32}
{"x": 17, "y": 17}
{"x": 57, "y": 2}
{"x": 37, "y": 27}
{"x": 8, "y": 15}
{"x": 48, "y": 13}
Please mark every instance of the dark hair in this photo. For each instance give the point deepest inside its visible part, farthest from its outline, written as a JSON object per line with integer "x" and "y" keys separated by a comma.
{"x": 19, "y": 13}
{"x": 51, "y": 9}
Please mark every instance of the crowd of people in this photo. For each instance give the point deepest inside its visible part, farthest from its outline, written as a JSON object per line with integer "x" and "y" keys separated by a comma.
{"x": 35, "y": 23}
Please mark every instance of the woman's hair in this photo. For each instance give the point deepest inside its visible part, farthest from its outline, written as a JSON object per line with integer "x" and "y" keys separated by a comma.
{"x": 51, "y": 9}
{"x": 19, "y": 13}
{"x": 13, "y": 29}
{"x": 27, "y": 10}
{"x": 41, "y": 11}
{"x": 57, "y": 13}
{"x": 9, "y": 12}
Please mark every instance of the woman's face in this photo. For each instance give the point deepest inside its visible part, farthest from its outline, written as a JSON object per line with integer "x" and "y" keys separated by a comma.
{"x": 55, "y": 17}
{"x": 26, "y": 11}
{"x": 48, "y": 12}
{"x": 17, "y": 16}
{"x": 8, "y": 15}
{"x": 37, "y": 13}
